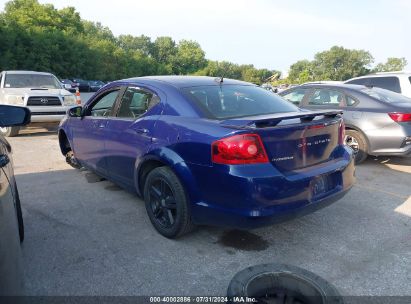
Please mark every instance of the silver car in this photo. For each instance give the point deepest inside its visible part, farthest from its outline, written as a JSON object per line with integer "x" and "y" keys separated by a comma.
{"x": 378, "y": 121}
{"x": 42, "y": 93}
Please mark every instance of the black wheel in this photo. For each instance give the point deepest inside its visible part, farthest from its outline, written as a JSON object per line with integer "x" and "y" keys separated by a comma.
{"x": 356, "y": 141}
{"x": 9, "y": 131}
{"x": 19, "y": 216}
{"x": 166, "y": 203}
{"x": 279, "y": 283}
{"x": 71, "y": 160}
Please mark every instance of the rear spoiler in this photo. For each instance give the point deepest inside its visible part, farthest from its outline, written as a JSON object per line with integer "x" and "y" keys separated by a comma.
{"x": 264, "y": 121}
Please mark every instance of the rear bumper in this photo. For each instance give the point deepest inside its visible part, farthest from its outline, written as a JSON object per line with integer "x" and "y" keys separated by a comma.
{"x": 261, "y": 218}
{"x": 253, "y": 196}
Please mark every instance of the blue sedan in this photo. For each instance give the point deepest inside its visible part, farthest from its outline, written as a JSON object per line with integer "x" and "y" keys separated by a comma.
{"x": 210, "y": 151}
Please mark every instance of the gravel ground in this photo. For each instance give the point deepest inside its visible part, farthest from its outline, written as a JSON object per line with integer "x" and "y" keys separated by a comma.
{"x": 85, "y": 236}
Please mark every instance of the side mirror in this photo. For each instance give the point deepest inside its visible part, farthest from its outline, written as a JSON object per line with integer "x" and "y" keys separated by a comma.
{"x": 14, "y": 116}
{"x": 75, "y": 112}
{"x": 67, "y": 86}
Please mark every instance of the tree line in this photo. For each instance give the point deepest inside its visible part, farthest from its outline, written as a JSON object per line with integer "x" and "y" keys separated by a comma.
{"x": 36, "y": 36}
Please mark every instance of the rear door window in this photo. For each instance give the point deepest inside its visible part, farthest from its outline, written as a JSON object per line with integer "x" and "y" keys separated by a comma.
{"x": 295, "y": 96}
{"x": 325, "y": 97}
{"x": 135, "y": 102}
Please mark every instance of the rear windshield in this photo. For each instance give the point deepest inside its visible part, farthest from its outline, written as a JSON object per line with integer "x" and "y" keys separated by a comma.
{"x": 385, "y": 95}
{"x": 31, "y": 81}
{"x": 229, "y": 101}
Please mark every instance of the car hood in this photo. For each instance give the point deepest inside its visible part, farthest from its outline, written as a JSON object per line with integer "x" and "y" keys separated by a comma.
{"x": 35, "y": 92}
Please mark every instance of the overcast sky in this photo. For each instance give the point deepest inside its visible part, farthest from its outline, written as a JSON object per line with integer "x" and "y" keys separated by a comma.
{"x": 271, "y": 34}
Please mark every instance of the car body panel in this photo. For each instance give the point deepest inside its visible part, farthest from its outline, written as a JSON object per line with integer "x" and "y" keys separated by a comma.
{"x": 11, "y": 266}
{"x": 180, "y": 137}
{"x": 368, "y": 116}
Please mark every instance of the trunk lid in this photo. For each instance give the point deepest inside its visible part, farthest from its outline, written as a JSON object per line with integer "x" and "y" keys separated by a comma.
{"x": 294, "y": 140}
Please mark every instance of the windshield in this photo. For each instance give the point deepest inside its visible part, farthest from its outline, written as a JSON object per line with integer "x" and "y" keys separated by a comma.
{"x": 229, "y": 101}
{"x": 31, "y": 81}
{"x": 385, "y": 95}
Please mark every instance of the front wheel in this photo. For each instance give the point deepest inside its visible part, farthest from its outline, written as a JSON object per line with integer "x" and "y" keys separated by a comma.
{"x": 356, "y": 141}
{"x": 9, "y": 131}
{"x": 71, "y": 160}
{"x": 166, "y": 203}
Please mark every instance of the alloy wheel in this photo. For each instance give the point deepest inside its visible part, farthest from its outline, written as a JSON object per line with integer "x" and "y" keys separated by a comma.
{"x": 163, "y": 203}
{"x": 352, "y": 143}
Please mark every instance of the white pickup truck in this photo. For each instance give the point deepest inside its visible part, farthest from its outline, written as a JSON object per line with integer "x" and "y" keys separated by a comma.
{"x": 42, "y": 93}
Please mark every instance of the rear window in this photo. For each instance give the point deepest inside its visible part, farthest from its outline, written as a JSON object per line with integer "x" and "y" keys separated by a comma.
{"x": 360, "y": 81}
{"x": 388, "y": 83}
{"x": 229, "y": 101}
{"x": 385, "y": 95}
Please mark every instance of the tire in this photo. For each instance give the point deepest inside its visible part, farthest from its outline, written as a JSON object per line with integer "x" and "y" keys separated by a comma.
{"x": 71, "y": 160}
{"x": 10, "y": 131}
{"x": 280, "y": 283}
{"x": 19, "y": 216}
{"x": 358, "y": 143}
{"x": 171, "y": 219}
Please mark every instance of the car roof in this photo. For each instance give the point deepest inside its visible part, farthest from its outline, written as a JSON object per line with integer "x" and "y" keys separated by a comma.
{"x": 383, "y": 74}
{"x": 355, "y": 87}
{"x": 185, "y": 81}
{"x": 28, "y": 72}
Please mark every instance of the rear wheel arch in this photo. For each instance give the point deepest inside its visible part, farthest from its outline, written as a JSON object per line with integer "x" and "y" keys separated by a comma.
{"x": 169, "y": 158}
{"x": 144, "y": 169}
{"x": 352, "y": 128}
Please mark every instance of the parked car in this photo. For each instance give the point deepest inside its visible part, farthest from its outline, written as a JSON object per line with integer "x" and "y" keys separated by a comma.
{"x": 377, "y": 121}
{"x": 96, "y": 85}
{"x": 83, "y": 85}
{"x": 399, "y": 82}
{"x": 69, "y": 85}
{"x": 210, "y": 151}
{"x": 41, "y": 92}
{"x": 11, "y": 218}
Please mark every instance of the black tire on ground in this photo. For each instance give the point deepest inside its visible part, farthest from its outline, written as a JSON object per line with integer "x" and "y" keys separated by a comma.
{"x": 361, "y": 144}
{"x": 10, "y": 131}
{"x": 71, "y": 160}
{"x": 280, "y": 283}
{"x": 19, "y": 216}
{"x": 166, "y": 203}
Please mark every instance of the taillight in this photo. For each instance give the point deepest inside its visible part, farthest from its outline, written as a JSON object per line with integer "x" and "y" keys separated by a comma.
{"x": 400, "y": 117}
{"x": 239, "y": 150}
{"x": 341, "y": 133}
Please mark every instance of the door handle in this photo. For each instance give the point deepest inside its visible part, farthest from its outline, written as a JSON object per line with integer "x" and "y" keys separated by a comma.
{"x": 142, "y": 131}
{"x": 4, "y": 160}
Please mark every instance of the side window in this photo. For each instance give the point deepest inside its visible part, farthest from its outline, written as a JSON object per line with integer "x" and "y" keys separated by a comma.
{"x": 361, "y": 81}
{"x": 325, "y": 97}
{"x": 409, "y": 78}
{"x": 136, "y": 102}
{"x": 388, "y": 83}
{"x": 1, "y": 78}
{"x": 104, "y": 106}
{"x": 350, "y": 101}
{"x": 296, "y": 96}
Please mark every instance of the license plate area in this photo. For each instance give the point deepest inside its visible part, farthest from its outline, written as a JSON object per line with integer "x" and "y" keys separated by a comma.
{"x": 321, "y": 186}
